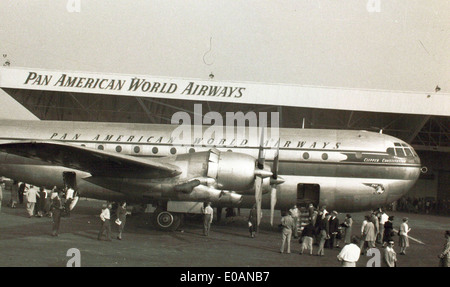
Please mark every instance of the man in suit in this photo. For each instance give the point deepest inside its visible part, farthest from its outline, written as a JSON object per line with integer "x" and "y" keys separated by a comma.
{"x": 252, "y": 221}
{"x": 333, "y": 229}
{"x": 324, "y": 230}
{"x": 21, "y": 192}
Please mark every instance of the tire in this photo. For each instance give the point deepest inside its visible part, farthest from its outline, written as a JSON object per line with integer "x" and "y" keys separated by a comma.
{"x": 165, "y": 220}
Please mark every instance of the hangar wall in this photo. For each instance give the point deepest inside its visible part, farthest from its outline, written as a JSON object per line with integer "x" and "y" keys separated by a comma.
{"x": 436, "y": 182}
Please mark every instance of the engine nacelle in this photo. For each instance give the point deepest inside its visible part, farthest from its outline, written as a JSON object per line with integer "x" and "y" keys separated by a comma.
{"x": 232, "y": 171}
{"x": 229, "y": 198}
{"x": 202, "y": 192}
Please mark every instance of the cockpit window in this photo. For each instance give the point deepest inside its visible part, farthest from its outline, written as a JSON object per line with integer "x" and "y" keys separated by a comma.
{"x": 408, "y": 151}
{"x": 401, "y": 150}
{"x": 391, "y": 151}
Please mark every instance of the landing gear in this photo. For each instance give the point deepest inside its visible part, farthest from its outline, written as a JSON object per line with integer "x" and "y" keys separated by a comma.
{"x": 165, "y": 220}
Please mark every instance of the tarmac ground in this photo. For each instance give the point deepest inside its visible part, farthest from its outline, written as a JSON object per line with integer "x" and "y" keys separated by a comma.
{"x": 28, "y": 242}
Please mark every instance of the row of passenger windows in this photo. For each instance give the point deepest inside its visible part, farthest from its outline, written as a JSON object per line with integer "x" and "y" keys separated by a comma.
{"x": 173, "y": 150}
{"x": 137, "y": 149}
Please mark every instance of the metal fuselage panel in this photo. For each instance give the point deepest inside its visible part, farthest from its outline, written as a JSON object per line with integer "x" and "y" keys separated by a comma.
{"x": 347, "y": 165}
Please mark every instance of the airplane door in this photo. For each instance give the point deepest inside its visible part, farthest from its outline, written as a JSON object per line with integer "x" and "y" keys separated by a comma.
{"x": 308, "y": 193}
{"x": 69, "y": 179}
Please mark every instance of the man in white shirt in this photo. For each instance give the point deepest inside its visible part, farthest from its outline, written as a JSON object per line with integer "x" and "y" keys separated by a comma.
{"x": 349, "y": 255}
{"x": 69, "y": 194}
{"x": 105, "y": 221}
{"x": 69, "y": 199}
{"x": 383, "y": 218}
{"x": 207, "y": 218}
{"x": 32, "y": 194}
{"x": 295, "y": 215}
{"x": 323, "y": 212}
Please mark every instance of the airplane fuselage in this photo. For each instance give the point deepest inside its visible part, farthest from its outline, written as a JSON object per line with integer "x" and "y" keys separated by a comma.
{"x": 345, "y": 170}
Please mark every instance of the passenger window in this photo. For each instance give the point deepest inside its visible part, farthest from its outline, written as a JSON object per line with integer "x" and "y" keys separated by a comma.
{"x": 137, "y": 149}
{"x": 118, "y": 148}
{"x": 173, "y": 150}
{"x": 155, "y": 150}
{"x": 305, "y": 155}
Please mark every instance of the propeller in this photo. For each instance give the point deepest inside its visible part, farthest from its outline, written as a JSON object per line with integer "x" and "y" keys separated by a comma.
{"x": 260, "y": 173}
{"x": 274, "y": 181}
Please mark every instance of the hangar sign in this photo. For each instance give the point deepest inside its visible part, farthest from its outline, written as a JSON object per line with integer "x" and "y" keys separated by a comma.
{"x": 422, "y": 103}
{"x": 131, "y": 85}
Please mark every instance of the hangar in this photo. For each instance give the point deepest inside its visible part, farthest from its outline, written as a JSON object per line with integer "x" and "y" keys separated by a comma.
{"x": 421, "y": 119}
{"x": 351, "y": 65}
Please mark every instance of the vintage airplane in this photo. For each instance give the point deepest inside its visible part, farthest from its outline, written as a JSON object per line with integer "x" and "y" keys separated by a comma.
{"x": 143, "y": 163}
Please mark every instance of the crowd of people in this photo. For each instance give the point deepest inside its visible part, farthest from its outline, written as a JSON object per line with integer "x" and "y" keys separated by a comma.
{"x": 321, "y": 228}
{"x": 423, "y": 205}
{"x": 325, "y": 230}
{"x": 56, "y": 203}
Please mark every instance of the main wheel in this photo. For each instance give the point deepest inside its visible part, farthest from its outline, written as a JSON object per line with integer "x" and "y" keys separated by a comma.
{"x": 165, "y": 220}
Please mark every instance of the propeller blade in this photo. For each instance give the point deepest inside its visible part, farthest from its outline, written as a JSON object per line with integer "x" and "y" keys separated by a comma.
{"x": 273, "y": 202}
{"x": 261, "y": 151}
{"x": 258, "y": 198}
{"x": 275, "y": 163}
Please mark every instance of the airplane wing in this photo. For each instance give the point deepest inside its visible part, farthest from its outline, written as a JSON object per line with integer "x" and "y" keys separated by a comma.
{"x": 96, "y": 162}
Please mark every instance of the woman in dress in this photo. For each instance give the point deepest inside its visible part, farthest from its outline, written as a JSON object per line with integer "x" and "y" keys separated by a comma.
{"x": 347, "y": 224}
{"x": 121, "y": 218}
{"x": 404, "y": 239}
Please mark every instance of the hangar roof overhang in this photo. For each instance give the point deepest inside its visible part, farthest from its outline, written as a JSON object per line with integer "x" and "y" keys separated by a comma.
{"x": 418, "y": 118}
{"x": 230, "y": 92}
